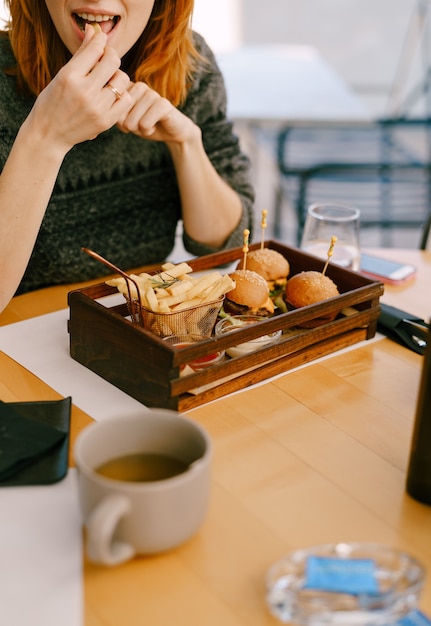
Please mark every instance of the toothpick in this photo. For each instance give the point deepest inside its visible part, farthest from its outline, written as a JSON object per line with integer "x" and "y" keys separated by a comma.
{"x": 245, "y": 246}
{"x": 330, "y": 252}
{"x": 263, "y": 225}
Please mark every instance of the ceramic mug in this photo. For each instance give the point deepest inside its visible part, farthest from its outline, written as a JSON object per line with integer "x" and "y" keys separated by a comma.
{"x": 127, "y": 515}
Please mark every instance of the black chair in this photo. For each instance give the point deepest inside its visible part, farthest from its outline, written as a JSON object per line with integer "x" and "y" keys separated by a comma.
{"x": 382, "y": 168}
{"x": 425, "y": 239}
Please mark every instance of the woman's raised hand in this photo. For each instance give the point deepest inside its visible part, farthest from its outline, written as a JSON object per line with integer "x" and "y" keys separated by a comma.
{"x": 153, "y": 117}
{"x": 83, "y": 99}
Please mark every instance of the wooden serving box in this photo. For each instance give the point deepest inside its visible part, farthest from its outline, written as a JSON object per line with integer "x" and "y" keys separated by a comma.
{"x": 104, "y": 339}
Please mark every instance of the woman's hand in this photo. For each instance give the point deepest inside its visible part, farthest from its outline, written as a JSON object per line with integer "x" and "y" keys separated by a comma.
{"x": 78, "y": 104}
{"x": 211, "y": 209}
{"x": 153, "y": 117}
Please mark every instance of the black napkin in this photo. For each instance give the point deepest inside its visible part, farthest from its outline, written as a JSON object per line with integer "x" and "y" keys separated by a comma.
{"x": 34, "y": 442}
{"x": 392, "y": 323}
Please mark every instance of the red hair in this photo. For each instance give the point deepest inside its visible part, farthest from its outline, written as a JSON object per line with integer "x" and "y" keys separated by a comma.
{"x": 164, "y": 56}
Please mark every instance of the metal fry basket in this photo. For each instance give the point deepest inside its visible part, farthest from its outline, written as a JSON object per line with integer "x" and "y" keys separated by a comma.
{"x": 196, "y": 320}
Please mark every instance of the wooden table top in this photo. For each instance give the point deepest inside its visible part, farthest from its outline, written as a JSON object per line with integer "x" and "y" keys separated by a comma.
{"x": 318, "y": 455}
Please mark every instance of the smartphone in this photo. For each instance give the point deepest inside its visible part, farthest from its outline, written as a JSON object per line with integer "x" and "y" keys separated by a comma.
{"x": 390, "y": 272}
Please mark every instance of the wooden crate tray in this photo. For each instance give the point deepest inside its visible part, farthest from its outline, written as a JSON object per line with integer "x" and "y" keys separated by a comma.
{"x": 104, "y": 339}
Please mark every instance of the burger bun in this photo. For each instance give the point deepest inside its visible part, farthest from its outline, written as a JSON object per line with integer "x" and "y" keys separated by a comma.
{"x": 270, "y": 264}
{"x": 310, "y": 287}
{"x": 250, "y": 295}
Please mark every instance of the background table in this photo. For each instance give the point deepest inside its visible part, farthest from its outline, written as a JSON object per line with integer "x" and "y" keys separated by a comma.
{"x": 317, "y": 455}
{"x": 274, "y": 84}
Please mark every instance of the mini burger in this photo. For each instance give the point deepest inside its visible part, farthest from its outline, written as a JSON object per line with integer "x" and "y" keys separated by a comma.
{"x": 271, "y": 265}
{"x": 308, "y": 288}
{"x": 249, "y": 296}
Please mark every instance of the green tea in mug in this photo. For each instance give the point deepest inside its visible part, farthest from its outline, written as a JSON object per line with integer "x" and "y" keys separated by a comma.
{"x": 142, "y": 467}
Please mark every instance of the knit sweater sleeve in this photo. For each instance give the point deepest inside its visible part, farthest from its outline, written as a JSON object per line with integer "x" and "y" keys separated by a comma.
{"x": 206, "y": 106}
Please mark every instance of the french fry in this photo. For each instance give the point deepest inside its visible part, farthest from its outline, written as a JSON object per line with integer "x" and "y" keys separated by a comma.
{"x": 203, "y": 283}
{"x": 177, "y": 298}
{"x": 186, "y": 304}
{"x": 182, "y": 286}
{"x": 161, "y": 293}
{"x": 224, "y": 285}
{"x": 175, "y": 272}
{"x": 164, "y": 307}
{"x": 125, "y": 290}
{"x": 150, "y": 296}
{"x": 115, "y": 282}
{"x": 140, "y": 281}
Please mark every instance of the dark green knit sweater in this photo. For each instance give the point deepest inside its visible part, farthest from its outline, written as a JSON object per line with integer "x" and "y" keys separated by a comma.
{"x": 118, "y": 194}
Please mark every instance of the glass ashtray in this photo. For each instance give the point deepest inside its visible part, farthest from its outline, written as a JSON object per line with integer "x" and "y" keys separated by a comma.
{"x": 235, "y": 322}
{"x": 346, "y": 583}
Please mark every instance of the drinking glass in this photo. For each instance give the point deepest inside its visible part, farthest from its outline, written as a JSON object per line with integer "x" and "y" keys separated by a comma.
{"x": 325, "y": 221}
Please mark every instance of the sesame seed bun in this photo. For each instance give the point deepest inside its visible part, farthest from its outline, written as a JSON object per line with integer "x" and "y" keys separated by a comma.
{"x": 250, "y": 294}
{"x": 308, "y": 288}
{"x": 270, "y": 264}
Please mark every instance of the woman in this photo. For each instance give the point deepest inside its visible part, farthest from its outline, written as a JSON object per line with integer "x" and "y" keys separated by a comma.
{"x": 108, "y": 136}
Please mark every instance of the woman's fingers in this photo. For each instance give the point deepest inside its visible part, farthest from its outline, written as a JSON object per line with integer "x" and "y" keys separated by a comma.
{"x": 85, "y": 78}
{"x": 148, "y": 112}
{"x": 118, "y": 85}
{"x": 94, "y": 63}
{"x": 90, "y": 52}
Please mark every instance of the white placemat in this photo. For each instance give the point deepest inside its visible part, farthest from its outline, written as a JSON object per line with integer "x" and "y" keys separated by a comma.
{"x": 41, "y": 555}
{"x": 41, "y": 344}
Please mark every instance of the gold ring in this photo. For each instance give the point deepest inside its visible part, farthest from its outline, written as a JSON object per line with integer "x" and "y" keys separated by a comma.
{"x": 114, "y": 90}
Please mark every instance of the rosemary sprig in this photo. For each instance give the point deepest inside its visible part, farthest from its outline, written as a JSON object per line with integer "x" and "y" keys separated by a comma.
{"x": 158, "y": 283}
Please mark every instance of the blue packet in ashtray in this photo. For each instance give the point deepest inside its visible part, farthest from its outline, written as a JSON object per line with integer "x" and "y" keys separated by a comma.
{"x": 345, "y": 583}
{"x": 414, "y": 618}
{"x": 339, "y": 575}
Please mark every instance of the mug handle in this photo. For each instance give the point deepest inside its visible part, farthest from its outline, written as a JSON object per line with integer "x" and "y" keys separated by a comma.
{"x": 101, "y": 524}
